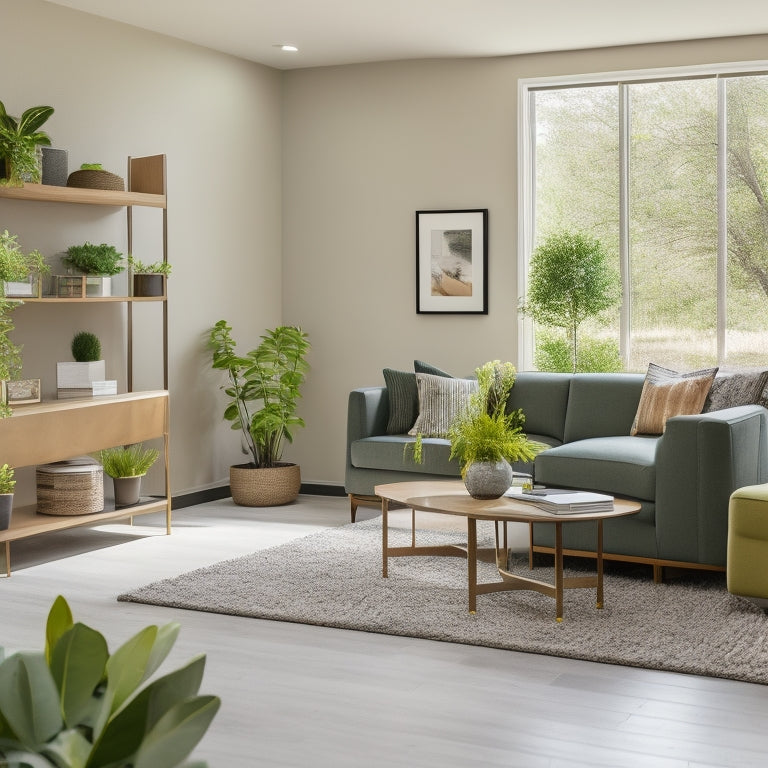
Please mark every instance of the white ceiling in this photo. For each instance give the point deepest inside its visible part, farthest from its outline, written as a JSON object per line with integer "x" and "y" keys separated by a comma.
{"x": 351, "y": 31}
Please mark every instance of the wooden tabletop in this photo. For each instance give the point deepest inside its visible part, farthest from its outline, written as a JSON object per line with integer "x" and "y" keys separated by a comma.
{"x": 451, "y": 498}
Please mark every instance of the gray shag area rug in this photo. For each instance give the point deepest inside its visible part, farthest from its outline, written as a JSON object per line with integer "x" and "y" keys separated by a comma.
{"x": 690, "y": 624}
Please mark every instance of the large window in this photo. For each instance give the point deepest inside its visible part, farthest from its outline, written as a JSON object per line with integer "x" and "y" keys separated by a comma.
{"x": 670, "y": 174}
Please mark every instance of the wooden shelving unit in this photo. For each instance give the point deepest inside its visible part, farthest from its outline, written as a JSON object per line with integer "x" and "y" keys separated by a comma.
{"x": 62, "y": 429}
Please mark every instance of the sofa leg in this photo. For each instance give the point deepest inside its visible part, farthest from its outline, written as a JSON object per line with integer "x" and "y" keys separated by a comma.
{"x": 658, "y": 574}
{"x": 352, "y": 507}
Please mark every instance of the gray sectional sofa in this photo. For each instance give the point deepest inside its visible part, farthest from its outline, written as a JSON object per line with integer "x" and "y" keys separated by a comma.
{"x": 683, "y": 478}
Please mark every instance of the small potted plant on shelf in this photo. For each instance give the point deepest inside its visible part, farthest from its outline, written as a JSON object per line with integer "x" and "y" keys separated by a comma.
{"x": 149, "y": 279}
{"x": 74, "y": 703}
{"x": 7, "y": 484}
{"x": 98, "y": 263}
{"x": 75, "y": 379}
{"x": 263, "y": 395}
{"x": 20, "y": 139}
{"x": 126, "y": 466}
{"x": 20, "y": 273}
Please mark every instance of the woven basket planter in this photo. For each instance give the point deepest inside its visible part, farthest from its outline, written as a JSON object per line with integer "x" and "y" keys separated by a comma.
{"x": 96, "y": 180}
{"x": 268, "y": 487}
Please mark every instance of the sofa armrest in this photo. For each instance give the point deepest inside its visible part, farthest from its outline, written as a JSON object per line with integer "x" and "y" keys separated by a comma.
{"x": 700, "y": 461}
{"x": 367, "y": 413}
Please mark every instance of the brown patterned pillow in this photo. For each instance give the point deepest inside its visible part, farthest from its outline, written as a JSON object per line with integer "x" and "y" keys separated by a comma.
{"x": 729, "y": 391}
{"x": 667, "y": 393}
{"x": 440, "y": 401}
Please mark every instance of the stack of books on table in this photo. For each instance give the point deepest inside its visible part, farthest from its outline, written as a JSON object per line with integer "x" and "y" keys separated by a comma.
{"x": 565, "y": 502}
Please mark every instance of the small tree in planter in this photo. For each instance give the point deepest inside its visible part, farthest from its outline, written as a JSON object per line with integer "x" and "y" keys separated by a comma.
{"x": 570, "y": 281}
{"x": 264, "y": 391}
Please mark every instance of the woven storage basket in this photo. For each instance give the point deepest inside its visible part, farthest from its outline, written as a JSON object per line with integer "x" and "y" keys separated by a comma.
{"x": 269, "y": 487}
{"x": 74, "y": 487}
{"x": 96, "y": 180}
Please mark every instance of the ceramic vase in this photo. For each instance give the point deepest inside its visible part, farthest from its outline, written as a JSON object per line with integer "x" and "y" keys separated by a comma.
{"x": 488, "y": 479}
{"x": 6, "y": 507}
{"x": 127, "y": 490}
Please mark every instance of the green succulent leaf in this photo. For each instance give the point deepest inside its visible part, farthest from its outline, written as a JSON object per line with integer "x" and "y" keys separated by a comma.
{"x": 70, "y": 748}
{"x": 32, "y": 118}
{"x": 29, "y": 699}
{"x": 77, "y": 664}
{"x": 59, "y": 621}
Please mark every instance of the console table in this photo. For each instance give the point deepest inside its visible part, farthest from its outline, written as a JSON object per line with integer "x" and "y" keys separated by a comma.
{"x": 61, "y": 429}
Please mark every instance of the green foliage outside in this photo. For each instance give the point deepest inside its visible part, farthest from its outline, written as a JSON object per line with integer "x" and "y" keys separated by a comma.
{"x": 93, "y": 259}
{"x": 264, "y": 387}
{"x": 570, "y": 280}
{"x": 86, "y": 347}
{"x": 130, "y": 461}
{"x": 554, "y": 353}
{"x": 19, "y": 139}
{"x": 76, "y": 705}
{"x": 7, "y": 482}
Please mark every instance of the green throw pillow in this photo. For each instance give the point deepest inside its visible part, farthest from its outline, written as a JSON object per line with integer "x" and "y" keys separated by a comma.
{"x": 421, "y": 367}
{"x": 403, "y": 400}
{"x": 440, "y": 400}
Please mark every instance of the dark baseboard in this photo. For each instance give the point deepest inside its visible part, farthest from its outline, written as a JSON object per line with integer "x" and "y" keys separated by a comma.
{"x": 223, "y": 492}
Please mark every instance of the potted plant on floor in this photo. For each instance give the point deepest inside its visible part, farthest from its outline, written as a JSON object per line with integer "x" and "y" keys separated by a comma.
{"x": 77, "y": 704}
{"x": 149, "y": 279}
{"x": 264, "y": 388}
{"x": 98, "y": 263}
{"x": 126, "y": 466}
{"x": 486, "y": 438}
{"x": 7, "y": 484}
{"x": 19, "y": 142}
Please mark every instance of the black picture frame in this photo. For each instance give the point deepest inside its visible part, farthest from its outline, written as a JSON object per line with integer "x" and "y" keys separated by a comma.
{"x": 452, "y": 262}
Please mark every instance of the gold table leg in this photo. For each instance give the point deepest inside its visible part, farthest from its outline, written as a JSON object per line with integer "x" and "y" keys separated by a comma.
{"x": 7, "y": 549}
{"x": 472, "y": 563}
{"x": 599, "y": 563}
{"x": 384, "y": 541}
{"x": 558, "y": 571}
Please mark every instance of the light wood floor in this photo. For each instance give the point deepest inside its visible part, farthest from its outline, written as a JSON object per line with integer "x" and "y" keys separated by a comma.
{"x": 296, "y": 695}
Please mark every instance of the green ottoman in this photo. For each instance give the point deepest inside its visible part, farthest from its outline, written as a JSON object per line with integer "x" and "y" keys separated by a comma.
{"x": 747, "y": 567}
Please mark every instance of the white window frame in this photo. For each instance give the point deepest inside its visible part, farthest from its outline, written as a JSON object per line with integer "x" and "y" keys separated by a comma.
{"x": 526, "y": 180}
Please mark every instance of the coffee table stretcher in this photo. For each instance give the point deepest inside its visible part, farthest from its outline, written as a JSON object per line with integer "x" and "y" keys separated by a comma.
{"x": 509, "y": 581}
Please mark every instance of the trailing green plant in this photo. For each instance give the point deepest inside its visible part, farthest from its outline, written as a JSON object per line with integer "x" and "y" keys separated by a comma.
{"x": 7, "y": 482}
{"x": 15, "y": 265}
{"x": 570, "y": 280}
{"x": 484, "y": 430}
{"x": 264, "y": 387}
{"x": 130, "y": 461}
{"x": 86, "y": 347}
{"x": 156, "y": 268}
{"x": 19, "y": 139}
{"x": 93, "y": 259}
{"x": 76, "y": 705}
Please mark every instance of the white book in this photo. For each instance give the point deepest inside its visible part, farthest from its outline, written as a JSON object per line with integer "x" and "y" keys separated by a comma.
{"x": 565, "y": 502}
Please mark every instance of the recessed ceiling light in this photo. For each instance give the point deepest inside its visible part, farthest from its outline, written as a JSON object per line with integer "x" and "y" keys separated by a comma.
{"x": 285, "y": 47}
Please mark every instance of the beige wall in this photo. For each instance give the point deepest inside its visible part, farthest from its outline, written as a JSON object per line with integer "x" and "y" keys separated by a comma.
{"x": 291, "y": 199}
{"x": 366, "y": 146}
{"x": 119, "y": 91}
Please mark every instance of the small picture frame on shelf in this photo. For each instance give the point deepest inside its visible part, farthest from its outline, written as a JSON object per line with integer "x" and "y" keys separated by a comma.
{"x": 452, "y": 262}
{"x": 22, "y": 391}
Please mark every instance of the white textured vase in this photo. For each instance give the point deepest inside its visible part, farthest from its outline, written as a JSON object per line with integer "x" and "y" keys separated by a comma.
{"x": 488, "y": 479}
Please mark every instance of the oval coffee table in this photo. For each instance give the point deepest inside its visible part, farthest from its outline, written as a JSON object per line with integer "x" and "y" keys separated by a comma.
{"x": 450, "y": 497}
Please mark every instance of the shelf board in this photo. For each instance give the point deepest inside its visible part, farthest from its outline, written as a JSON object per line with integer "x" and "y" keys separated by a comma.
{"x": 51, "y": 194}
{"x": 85, "y": 299}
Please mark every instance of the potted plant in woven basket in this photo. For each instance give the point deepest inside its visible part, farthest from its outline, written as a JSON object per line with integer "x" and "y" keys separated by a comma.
{"x": 126, "y": 466}
{"x": 7, "y": 484}
{"x": 264, "y": 388}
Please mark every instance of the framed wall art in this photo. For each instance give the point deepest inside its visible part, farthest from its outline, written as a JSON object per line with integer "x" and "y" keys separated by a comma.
{"x": 452, "y": 261}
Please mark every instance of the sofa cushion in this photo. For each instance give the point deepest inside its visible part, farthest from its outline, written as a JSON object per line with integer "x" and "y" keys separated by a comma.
{"x": 667, "y": 393}
{"x": 543, "y": 398}
{"x": 440, "y": 400}
{"x": 389, "y": 452}
{"x": 421, "y": 367}
{"x": 621, "y": 465}
{"x": 732, "y": 390}
{"x": 403, "y": 400}
{"x": 601, "y": 404}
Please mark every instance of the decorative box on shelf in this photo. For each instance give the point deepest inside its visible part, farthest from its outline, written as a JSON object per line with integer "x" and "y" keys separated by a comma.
{"x": 80, "y": 286}
{"x": 72, "y": 487}
{"x": 21, "y": 391}
{"x": 30, "y": 288}
{"x": 76, "y": 379}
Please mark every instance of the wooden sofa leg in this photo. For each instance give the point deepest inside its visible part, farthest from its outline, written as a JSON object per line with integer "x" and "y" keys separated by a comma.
{"x": 352, "y": 507}
{"x": 658, "y": 574}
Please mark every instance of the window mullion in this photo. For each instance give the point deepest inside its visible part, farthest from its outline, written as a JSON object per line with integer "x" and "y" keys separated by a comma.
{"x": 722, "y": 220}
{"x": 625, "y": 316}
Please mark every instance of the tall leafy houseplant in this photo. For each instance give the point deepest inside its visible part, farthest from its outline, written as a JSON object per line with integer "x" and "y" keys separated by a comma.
{"x": 264, "y": 389}
{"x": 19, "y": 139}
{"x": 570, "y": 281}
{"x": 75, "y": 705}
